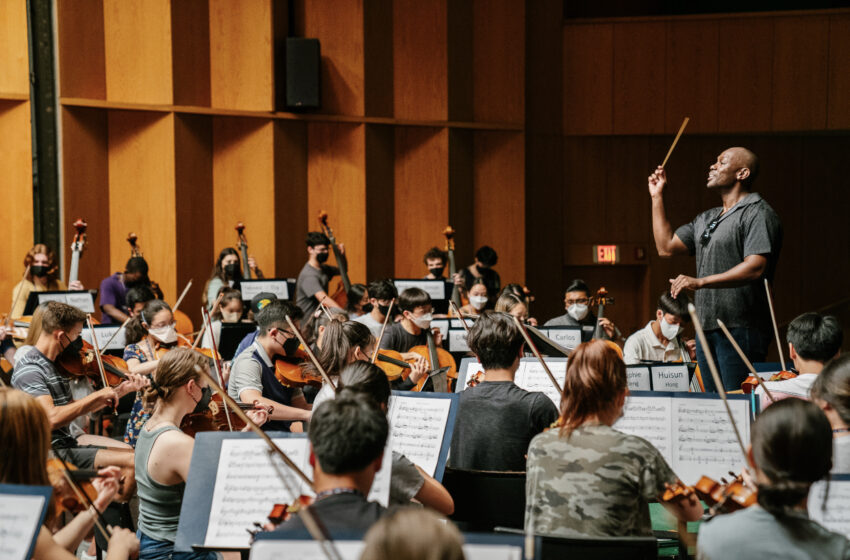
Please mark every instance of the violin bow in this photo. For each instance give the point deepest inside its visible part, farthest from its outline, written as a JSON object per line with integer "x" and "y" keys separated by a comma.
{"x": 775, "y": 327}
{"x": 717, "y": 381}
{"x": 310, "y": 353}
{"x": 537, "y": 355}
{"x": 97, "y": 352}
{"x": 204, "y": 326}
{"x": 99, "y": 521}
{"x": 217, "y": 362}
{"x": 17, "y": 296}
{"x": 745, "y": 359}
{"x": 111, "y": 338}
{"x": 460, "y": 316}
{"x": 325, "y": 308}
{"x": 383, "y": 328}
{"x": 182, "y": 295}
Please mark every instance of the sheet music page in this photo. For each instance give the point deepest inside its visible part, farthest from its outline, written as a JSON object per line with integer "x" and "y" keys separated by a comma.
{"x": 19, "y": 515}
{"x": 380, "y": 491}
{"x": 704, "y": 441}
{"x": 532, "y": 377}
{"x": 837, "y": 515}
{"x": 417, "y": 427}
{"x": 651, "y": 419}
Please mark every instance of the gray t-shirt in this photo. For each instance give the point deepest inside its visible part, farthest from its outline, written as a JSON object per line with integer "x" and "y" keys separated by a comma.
{"x": 754, "y": 534}
{"x": 405, "y": 480}
{"x": 35, "y": 375}
{"x": 369, "y": 321}
{"x": 310, "y": 281}
{"x": 751, "y": 227}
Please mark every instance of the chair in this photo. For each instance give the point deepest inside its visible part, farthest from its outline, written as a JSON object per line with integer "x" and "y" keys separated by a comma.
{"x": 594, "y": 548}
{"x": 761, "y": 367}
{"x": 486, "y": 499}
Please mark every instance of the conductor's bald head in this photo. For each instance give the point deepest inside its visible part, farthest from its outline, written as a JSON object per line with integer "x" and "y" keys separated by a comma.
{"x": 734, "y": 165}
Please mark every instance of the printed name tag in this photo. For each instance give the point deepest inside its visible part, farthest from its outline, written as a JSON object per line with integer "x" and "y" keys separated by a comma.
{"x": 457, "y": 341}
{"x": 638, "y": 378}
{"x": 670, "y": 378}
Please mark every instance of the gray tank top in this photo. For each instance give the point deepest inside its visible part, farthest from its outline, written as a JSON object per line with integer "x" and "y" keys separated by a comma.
{"x": 159, "y": 504}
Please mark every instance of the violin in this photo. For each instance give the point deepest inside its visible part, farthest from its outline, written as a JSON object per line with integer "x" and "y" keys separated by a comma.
{"x": 723, "y": 496}
{"x": 290, "y": 371}
{"x": 341, "y": 294}
{"x": 391, "y": 363}
{"x": 65, "y": 499}
{"x": 242, "y": 242}
{"x": 77, "y": 248}
{"x": 215, "y": 419}
{"x": 439, "y": 361}
{"x": 84, "y": 364}
{"x": 458, "y": 298}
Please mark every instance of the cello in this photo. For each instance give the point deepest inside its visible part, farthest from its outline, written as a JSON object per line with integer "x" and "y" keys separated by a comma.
{"x": 77, "y": 248}
{"x": 441, "y": 363}
{"x": 341, "y": 294}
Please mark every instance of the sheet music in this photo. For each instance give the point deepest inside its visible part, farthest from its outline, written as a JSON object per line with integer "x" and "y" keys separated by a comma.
{"x": 837, "y": 515}
{"x": 651, "y": 419}
{"x": 417, "y": 427}
{"x": 532, "y": 377}
{"x": 19, "y": 521}
{"x": 351, "y": 550}
{"x": 434, "y": 288}
{"x": 250, "y": 288}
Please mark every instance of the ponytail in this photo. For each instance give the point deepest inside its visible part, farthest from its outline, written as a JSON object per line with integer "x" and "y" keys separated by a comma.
{"x": 337, "y": 342}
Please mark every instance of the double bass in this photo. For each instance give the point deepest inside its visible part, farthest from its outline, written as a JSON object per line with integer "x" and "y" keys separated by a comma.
{"x": 457, "y": 297}
{"x": 242, "y": 242}
{"x": 77, "y": 248}
{"x": 341, "y": 294}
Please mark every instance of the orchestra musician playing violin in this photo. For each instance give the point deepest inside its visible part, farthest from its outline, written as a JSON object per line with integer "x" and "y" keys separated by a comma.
{"x": 791, "y": 449}
{"x": 659, "y": 340}
{"x": 252, "y": 373}
{"x": 312, "y": 285}
{"x": 113, "y": 290}
{"x": 25, "y": 441}
{"x": 42, "y": 276}
{"x": 230, "y": 311}
{"x": 478, "y": 298}
{"x": 736, "y": 246}
{"x": 435, "y": 261}
{"x": 342, "y": 343}
{"x": 515, "y": 306}
{"x": 831, "y": 392}
{"x": 496, "y": 419}
{"x": 416, "y": 309}
{"x": 164, "y": 452}
{"x": 227, "y": 272}
{"x": 813, "y": 340}
{"x": 586, "y": 479}
{"x": 577, "y": 303}
{"x": 381, "y": 293}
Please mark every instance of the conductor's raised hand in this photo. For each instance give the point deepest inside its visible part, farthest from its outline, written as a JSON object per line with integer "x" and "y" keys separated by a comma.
{"x": 657, "y": 181}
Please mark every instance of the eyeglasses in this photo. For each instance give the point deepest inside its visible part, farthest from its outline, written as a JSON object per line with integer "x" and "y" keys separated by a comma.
{"x": 580, "y": 301}
{"x": 706, "y": 235}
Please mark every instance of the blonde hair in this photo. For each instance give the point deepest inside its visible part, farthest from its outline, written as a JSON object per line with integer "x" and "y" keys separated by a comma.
{"x": 413, "y": 534}
{"x": 34, "y": 330}
{"x": 52, "y": 265}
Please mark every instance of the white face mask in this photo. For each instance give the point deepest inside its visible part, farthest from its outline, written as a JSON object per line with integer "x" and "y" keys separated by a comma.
{"x": 166, "y": 335}
{"x": 422, "y": 322}
{"x": 478, "y": 302}
{"x": 230, "y": 316}
{"x": 667, "y": 330}
{"x": 577, "y": 311}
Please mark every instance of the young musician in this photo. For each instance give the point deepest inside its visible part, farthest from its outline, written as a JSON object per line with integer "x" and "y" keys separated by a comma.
{"x": 515, "y": 306}
{"x": 164, "y": 453}
{"x": 477, "y": 298}
{"x": 408, "y": 481}
{"x": 736, "y": 246}
{"x": 435, "y": 261}
{"x": 312, "y": 286}
{"x": 521, "y": 295}
{"x": 578, "y": 313}
{"x": 113, "y": 290}
{"x": 416, "y": 309}
{"x": 813, "y": 339}
{"x": 227, "y": 272}
{"x": 358, "y": 301}
{"x": 659, "y": 340}
{"x": 252, "y": 376}
{"x": 791, "y": 449}
{"x": 36, "y": 374}
{"x": 496, "y": 419}
{"x": 258, "y": 302}
{"x": 25, "y": 440}
{"x": 831, "y": 392}
{"x": 381, "y": 293}
{"x": 229, "y": 311}
{"x": 137, "y": 297}
{"x": 347, "y": 439}
{"x": 485, "y": 259}
{"x": 586, "y": 479}
{"x": 412, "y": 534}
{"x": 43, "y": 276}
{"x": 150, "y": 330}
{"x": 343, "y": 343}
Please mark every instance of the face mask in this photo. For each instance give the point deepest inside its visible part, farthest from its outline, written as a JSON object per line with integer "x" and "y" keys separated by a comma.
{"x": 577, "y": 311}
{"x": 437, "y": 271}
{"x": 667, "y": 330}
{"x": 478, "y": 302}
{"x": 322, "y": 257}
{"x": 384, "y": 309}
{"x": 231, "y": 270}
{"x": 230, "y": 316}
{"x": 74, "y": 346}
{"x": 204, "y": 403}
{"x": 367, "y": 308}
{"x": 166, "y": 335}
{"x": 422, "y": 322}
{"x": 38, "y": 270}
{"x": 482, "y": 270}
{"x": 290, "y": 346}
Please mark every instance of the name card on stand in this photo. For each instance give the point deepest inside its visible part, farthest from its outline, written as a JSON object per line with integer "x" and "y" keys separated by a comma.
{"x": 638, "y": 378}
{"x": 457, "y": 341}
{"x": 434, "y": 288}
{"x": 103, "y": 334}
{"x": 82, "y": 300}
{"x": 276, "y": 286}
{"x": 672, "y": 377}
{"x": 568, "y": 337}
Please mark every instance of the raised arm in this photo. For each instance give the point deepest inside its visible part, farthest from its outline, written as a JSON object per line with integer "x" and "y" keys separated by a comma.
{"x": 666, "y": 242}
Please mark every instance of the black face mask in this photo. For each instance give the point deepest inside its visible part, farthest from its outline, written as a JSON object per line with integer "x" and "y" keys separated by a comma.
{"x": 290, "y": 346}
{"x": 384, "y": 309}
{"x": 437, "y": 271}
{"x": 231, "y": 270}
{"x": 482, "y": 270}
{"x": 322, "y": 257}
{"x": 141, "y": 281}
{"x": 204, "y": 403}
{"x": 74, "y": 347}
{"x": 367, "y": 307}
{"x": 38, "y": 270}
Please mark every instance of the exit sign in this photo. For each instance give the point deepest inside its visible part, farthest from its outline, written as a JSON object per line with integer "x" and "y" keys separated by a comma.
{"x": 606, "y": 254}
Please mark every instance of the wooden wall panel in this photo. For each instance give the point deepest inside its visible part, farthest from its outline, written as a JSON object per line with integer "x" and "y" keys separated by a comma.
{"x": 588, "y": 79}
{"x": 142, "y": 192}
{"x": 421, "y": 195}
{"x": 290, "y": 197}
{"x": 378, "y": 58}
{"x": 137, "y": 41}
{"x": 241, "y": 55}
{"x": 744, "y": 101}
{"x": 420, "y": 60}
{"x": 336, "y": 180}
{"x": 380, "y": 220}
{"x": 85, "y": 186}
{"x": 498, "y": 61}
{"x": 339, "y": 28}
{"x": 626, "y": 196}
{"x": 839, "y": 77}
{"x": 499, "y": 200}
{"x": 243, "y": 186}
{"x": 14, "y": 63}
{"x": 190, "y": 37}
{"x": 639, "y": 78}
{"x": 692, "y": 75}
{"x": 16, "y": 210}
{"x": 82, "y": 65}
{"x": 800, "y": 70}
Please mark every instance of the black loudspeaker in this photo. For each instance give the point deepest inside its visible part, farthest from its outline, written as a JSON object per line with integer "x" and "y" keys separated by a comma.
{"x": 303, "y": 71}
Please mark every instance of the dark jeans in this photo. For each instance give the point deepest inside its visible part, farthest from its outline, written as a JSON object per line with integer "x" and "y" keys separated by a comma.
{"x": 732, "y": 369}
{"x": 152, "y": 549}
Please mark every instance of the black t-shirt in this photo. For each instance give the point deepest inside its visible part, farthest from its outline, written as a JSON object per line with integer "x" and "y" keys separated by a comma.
{"x": 496, "y": 421}
{"x": 491, "y": 280}
{"x": 348, "y": 512}
{"x": 398, "y": 339}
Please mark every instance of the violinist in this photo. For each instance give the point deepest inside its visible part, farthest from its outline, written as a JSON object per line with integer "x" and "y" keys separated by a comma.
{"x": 137, "y": 297}
{"x": 736, "y": 246}
{"x": 312, "y": 286}
{"x": 347, "y": 439}
{"x": 813, "y": 339}
{"x": 230, "y": 311}
{"x": 164, "y": 452}
{"x": 485, "y": 259}
{"x": 258, "y": 302}
{"x": 477, "y": 298}
{"x": 381, "y": 293}
{"x": 659, "y": 340}
{"x": 358, "y": 298}
{"x": 227, "y": 272}
{"x": 521, "y": 295}
{"x": 113, "y": 290}
{"x": 791, "y": 449}
{"x": 831, "y": 392}
{"x": 36, "y": 374}
{"x": 25, "y": 441}
{"x": 587, "y": 479}
{"x": 252, "y": 373}
{"x": 515, "y": 306}
{"x": 343, "y": 343}
{"x": 578, "y": 314}
{"x": 42, "y": 276}
{"x": 435, "y": 261}
{"x": 416, "y": 309}
{"x": 147, "y": 334}
{"x": 496, "y": 419}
